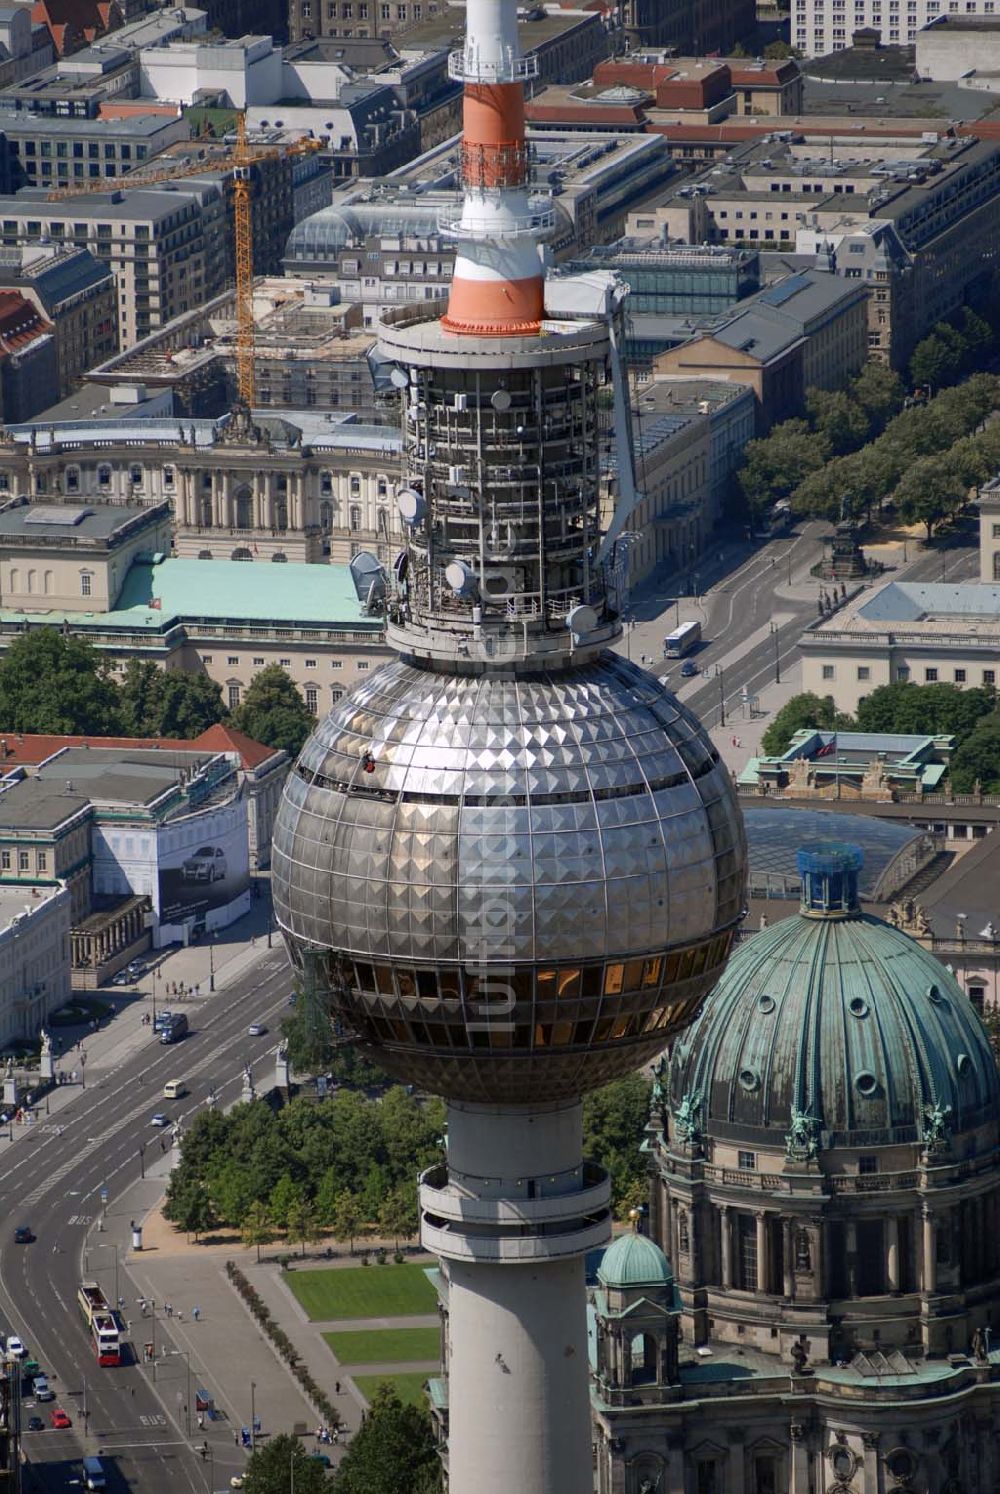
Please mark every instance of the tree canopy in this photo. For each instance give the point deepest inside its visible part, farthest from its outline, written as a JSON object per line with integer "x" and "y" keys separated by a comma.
{"x": 168, "y": 703}
{"x": 283, "y": 1466}
{"x": 614, "y": 1120}
{"x": 274, "y": 712}
{"x": 54, "y": 682}
{"x": 927, "y": 710}
{"x": 977, "y": 759}
{"x": 805, "y": 711}
{"x": 394, "y": 1449}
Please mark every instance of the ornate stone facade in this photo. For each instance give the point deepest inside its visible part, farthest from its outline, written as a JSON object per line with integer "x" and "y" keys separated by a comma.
{"x": 824, "y": 1179}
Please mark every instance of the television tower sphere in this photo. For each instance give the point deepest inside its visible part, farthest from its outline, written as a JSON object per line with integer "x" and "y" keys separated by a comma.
{"x": 510, "y": 862}
{"x": 512, "y": 888}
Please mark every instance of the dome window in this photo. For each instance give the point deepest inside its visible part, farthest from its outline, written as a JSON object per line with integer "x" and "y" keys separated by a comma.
{"x": 902, "y": 1463}
{"x": 963, "y": 1063}
{"x": 866, "y": 1083}
{"x": 766, "y": 1004}
{"x": 749, "y": 1079}
{"x": 934, "y": 995}
{"x": 858, "y": 1006}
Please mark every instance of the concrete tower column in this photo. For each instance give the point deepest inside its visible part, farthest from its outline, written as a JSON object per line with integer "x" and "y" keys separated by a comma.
{"x": 787, "y": 1261}
{"x": 513, "y": 1214}
{"x": 929, "y": 1282}
{"x": 763, "y": 1285}
{"x": 727, "y": 1246}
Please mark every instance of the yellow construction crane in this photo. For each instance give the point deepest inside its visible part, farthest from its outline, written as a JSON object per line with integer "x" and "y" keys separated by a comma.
{"x": 217, "y": 158}
{"x": 244, "y": 268}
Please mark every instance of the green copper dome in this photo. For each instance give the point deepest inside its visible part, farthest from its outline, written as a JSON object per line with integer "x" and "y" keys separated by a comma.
{"x": 633, "y": 1260}
{"x": 833, "y": 1028}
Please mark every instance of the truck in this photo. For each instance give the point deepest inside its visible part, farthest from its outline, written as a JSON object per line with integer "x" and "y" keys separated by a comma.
{"x": 682, "y": 640}
{"x": 101, "y": 1322}
{"x": 175, "y": 1029}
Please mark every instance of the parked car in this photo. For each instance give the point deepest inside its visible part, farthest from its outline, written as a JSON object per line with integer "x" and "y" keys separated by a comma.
{"x": 42, "y": 1390}
{"x": 15, "y": 1347}
{"x": 206, "y": 865}
{"x": 36, "y": 1424}
{"x": 59, "y": 1419}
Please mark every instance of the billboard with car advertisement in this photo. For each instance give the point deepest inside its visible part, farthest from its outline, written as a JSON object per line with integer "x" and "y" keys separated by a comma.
{"x": 203, "y": 863}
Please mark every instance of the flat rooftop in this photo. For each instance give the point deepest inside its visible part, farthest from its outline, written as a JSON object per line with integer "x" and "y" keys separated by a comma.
{"x": 17, "y": 900}
{"x": 116, "y": 775}
{"x": 47, "y": 521}
{"x": 924, "y": 608}
{"x": 36, "y": 805}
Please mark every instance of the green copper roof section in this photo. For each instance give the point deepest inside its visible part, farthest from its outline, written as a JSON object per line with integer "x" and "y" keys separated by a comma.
{"x": 848, "y": 1023}
{"x": 633, "y": 1260}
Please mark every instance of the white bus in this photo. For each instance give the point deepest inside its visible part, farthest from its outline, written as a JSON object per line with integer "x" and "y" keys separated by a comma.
{"x": 682, "y": 640}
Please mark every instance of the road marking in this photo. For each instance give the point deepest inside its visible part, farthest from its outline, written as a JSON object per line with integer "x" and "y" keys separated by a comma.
{"x": 79, "y": 1219}
{"x": 153, "y": 1421}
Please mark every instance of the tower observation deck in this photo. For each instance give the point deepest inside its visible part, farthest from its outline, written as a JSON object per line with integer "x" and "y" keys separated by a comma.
{"x": 511, "y": 863}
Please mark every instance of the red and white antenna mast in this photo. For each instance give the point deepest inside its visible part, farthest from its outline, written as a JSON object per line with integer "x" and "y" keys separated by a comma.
{"x": 498, "y": 284}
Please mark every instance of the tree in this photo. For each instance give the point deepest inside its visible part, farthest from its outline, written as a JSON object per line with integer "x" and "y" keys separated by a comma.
{"x": 256, "y": 1228}
{"x": 282, "y": 1466}
{"x": 879, "y": 391}
{"x": 274, "y": 712}
{"x": 926, "y": 710}
{"x": 776, "y": 464}
{"x": 837, "y": 417}
{"x": 285, "y": 1195}
{"x": 930, "y": 491}
{"x": 936, "y": 360}
{"x": 397, "y": 1215}
{"x": 977, "y": 759}
{"x": 803, "y": 712}
{"x": 394, "y": 1449}
{"x": 174, "y": 703}
{"x": 302, "y": 1227}
{"x": 614, "y": 1120}
{"x": 345, "y": 1218}
{"x": 231, "y": 1189}
{"x": 192, "y": 1209}
{"x": 53, "y": 682}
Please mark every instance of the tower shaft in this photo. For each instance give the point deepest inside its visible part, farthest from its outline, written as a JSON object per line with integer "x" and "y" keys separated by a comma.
{"x": 513, "y": 1215}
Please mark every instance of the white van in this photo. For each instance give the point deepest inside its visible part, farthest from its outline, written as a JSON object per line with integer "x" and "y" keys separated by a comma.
{"x": 174, "y": 1089}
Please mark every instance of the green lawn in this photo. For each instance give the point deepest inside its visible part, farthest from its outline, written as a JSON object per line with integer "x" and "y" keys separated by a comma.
{"x": 363, "y": 1292}
{"x": 386, "y": 1345}
{"x": 409, "y": 1388}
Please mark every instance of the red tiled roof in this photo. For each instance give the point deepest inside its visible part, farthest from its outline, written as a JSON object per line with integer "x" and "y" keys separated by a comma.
{"x": 227, "y": 739}
{"x": 20, "y": 321}
{"x": 29, "y": 750}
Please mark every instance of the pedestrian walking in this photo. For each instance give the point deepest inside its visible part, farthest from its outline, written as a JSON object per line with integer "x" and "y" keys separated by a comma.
{"x": 180, "y": 1316}
{"x": 236, "y": 1437}
{"x": 168, "y": 1309}
{"x": 336, "y": 1387}
{"x": 201, "y": 1422}
{"x": 196, "y": 1313}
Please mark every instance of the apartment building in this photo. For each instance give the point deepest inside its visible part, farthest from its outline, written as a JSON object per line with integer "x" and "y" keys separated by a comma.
{"x": 53, "y": 152}
{"x": 76, "y": 87}
{"x": 75, "y": 293}
{"x": 717, "y": 87}
{"x": 34, "y": 950}
{"x": 822, "y": 26}
{"x": 28, "y": 363}
{"x": 166, "y": 245}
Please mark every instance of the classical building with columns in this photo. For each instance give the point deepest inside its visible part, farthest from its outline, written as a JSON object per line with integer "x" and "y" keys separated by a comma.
{"x": 292, "y": 487}
{"x": 825, "y": 1208}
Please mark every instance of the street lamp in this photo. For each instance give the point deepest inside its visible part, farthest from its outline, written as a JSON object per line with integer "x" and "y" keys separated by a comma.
{"x": 83, "y": 1065}
{"x": 174, "y": 1353}
{"x": 253, "y": 1416}
{"x": 721, "y": 676}
{"x": 142, "y": 1161}
{"x": 211, "y": 963}
{"x": 775, "y": 634}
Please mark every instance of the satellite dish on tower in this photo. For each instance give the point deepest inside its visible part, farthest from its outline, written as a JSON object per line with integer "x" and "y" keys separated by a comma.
{"x": 368, "y": 575}
{"x": 399, "y": 378}
{"x": 412, "y": 506}
{"x": 500, "y": 400}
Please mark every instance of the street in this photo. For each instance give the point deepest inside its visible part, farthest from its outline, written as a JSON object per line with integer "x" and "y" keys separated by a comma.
{"x": 52, "y": 1181}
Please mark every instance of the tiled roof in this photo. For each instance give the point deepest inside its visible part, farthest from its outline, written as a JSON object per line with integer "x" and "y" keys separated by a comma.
{"x": 29, "y": 750}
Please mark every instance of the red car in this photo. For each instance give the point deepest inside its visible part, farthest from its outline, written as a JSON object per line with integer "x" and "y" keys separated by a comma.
{"x": 59, "y": 1419}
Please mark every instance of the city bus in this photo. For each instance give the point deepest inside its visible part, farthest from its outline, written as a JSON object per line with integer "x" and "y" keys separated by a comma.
{"x": 682, "y": 640}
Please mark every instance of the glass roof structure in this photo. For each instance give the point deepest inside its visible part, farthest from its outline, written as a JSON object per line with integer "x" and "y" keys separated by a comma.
{"x": 775, "y": 833}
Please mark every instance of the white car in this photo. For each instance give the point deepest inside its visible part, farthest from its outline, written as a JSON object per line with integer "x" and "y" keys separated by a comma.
{"x": 159, "y": 1119}
{"x": 205, "y": 865}
{"x": 15, "y": 1347}
{"x": 256, "y": 1029}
